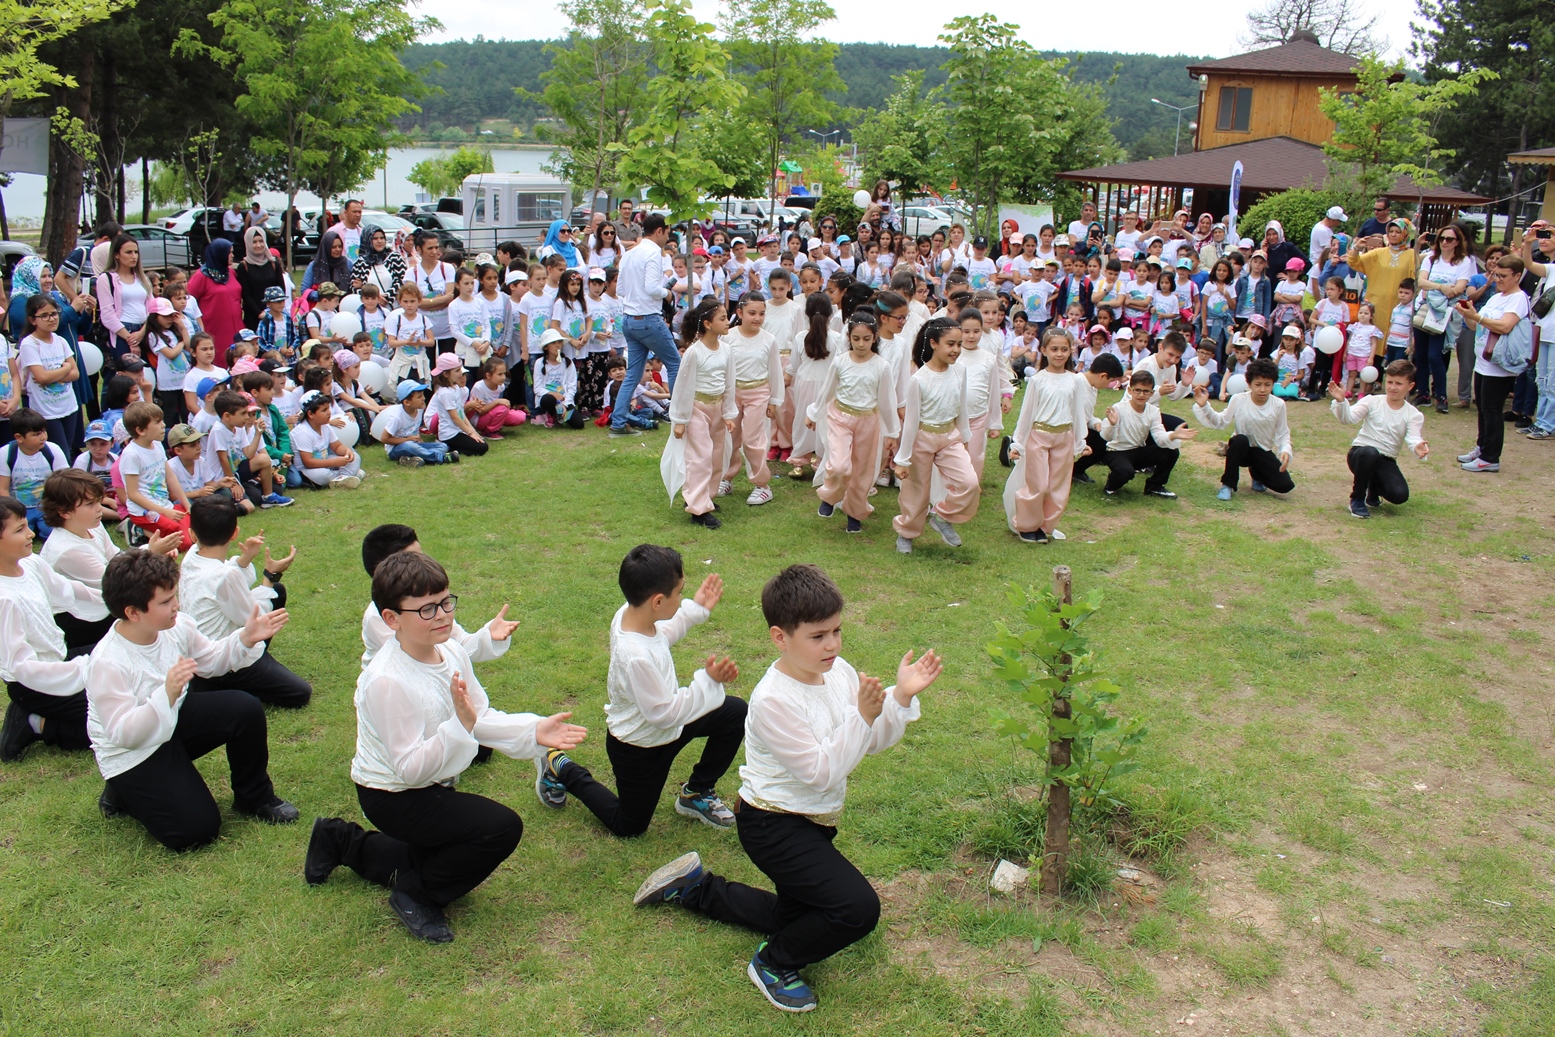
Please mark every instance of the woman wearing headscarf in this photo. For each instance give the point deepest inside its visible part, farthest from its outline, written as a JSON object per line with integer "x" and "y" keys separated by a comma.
{"x": 377, "y": 263}
{"x": 558, "y": 241}
{"x": 330, "y": 264}
{"x": 1280, "y": 251}
{"x": 34, "y": 276}
{"x": 219, "y": 295}
{"x": 258, "y": 271}
{"x": 1203, "y": 231}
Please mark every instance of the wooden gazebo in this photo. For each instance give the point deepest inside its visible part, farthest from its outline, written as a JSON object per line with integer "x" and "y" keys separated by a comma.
{"x": 1542, "y": 157}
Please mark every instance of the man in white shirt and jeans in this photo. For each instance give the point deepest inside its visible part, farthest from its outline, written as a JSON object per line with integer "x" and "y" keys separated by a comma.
{"x": 642, "y": 287}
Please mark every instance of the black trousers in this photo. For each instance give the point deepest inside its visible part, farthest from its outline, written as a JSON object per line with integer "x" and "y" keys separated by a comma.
{"x": 1098, "y": 454}
{"x": 1124, "y": 463}
{"x": 267, "y": 680}
{"x": 1376, "y": 475}
{"x": 642, "y": 771}
{"x": 64, "y": 716}
{"x": 81, "y": 635}
{"x": 166, "y": 793}
{"x": 172, "y": 403}
{"x": 822, "y": 904}
{"x": 466, "y": 446}
{"x": 1262, "y": 466}
{"x": 1490, "y": 395}
{"x": 434, "y": 844}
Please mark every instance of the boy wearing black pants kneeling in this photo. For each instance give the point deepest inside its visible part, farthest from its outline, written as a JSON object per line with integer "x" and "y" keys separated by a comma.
{"x": 147, "y": 730}
{"x": 650, "y": 716}
{"x": 812, "y": 719}
{"x": 421, "y": 714}
{"x": 1260, "y": 440}
{"x": 1137, "y": 438}
{"x": 221, "y": 594}
{"x": 1388, "y": 423}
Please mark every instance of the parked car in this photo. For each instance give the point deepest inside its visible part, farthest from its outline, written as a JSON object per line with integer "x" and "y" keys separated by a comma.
{"x": 449, "y": 227}
{"x": 919, "y": 220}
{"x": 159, "y": 247}
{"x": 13, "y": 252}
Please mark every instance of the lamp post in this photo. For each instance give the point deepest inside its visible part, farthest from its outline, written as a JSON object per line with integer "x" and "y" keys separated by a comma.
{"x": 1177, "y": 137}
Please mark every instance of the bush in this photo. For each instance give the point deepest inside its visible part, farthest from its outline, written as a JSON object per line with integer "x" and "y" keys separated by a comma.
{"x": 1298, "y": 211}
{"x": 839, "y": 205}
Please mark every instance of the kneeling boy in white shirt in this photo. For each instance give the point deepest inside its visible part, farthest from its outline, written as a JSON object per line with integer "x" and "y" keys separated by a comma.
{"x": 812, "y": 719}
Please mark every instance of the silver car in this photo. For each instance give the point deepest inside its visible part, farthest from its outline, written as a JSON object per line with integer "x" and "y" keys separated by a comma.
{"x": 159, "y": 247}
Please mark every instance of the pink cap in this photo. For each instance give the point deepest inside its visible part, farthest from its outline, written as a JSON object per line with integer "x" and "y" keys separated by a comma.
{"x": 1096, "y": 329}
{"x": 1259, "y": 320}
{"x": 446, "y": 362}
{"x": 161, "y": 307}
{"x": 1296, "y": 264}
{"x": 245, "y": 365}
{"x": 344, "y": 359}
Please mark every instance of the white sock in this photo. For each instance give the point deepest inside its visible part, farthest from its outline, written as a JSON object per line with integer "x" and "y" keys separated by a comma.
{"x": 35, "y": 722}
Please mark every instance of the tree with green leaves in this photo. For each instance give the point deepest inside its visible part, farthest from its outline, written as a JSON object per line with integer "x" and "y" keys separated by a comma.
{"x": 321, "y": 84}
{"x": 905, "y": 142}
{"x": 1383, "y": 129}
{"x": 594, "y": 86}
{"x": 667, "y": 149}
{"x": 443, "y": 175}
{"x": 29, "y": 26}
{"x": 786, "y": 72}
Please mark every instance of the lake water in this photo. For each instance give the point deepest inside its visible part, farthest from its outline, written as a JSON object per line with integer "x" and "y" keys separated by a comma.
{"x": 388, "y": 190}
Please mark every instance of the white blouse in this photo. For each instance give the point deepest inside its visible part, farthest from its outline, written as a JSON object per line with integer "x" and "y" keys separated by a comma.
{"x": 934, "y": 398}
{"x": 755, "y": 357}
{"x": 221, "y": 595}
{"x": 647, "y": 705}
{"x": 1134, "y": 429}
{"x": 82, "y": 559}
{"x": 33, "y": 652}
{"x": 983, "y": 367}
{"x": 1385, "y": 429}
{"x": 407, "y": 733}
{"x": 703, "y": 372}
{"x": 803, "y": 740}
{"x": 1266, "y": 426}
{"x": 1056, "y": 398}
{"x": 860, "y": 386}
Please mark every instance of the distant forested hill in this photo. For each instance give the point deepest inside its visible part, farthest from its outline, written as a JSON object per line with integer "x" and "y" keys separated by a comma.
{"x": 478, "y": 78}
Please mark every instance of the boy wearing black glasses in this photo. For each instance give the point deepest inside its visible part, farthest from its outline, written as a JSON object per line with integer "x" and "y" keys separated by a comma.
{"x": 421, "y": 716}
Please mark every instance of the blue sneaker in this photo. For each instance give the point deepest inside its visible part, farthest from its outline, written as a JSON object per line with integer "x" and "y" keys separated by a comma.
{"x": 1224, "y": 493}
{"x": 548, "y": 782}
{"x": 1259, "y": 487}
{"x": 782, "y": 987}
{"x": 275, "y": 500}
{"x": 705, "y": 807}
{"x": 671, "y": 882}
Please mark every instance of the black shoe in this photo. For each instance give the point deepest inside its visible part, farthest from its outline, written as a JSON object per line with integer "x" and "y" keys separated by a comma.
{"x": 453, "y": 457}
{"x": 275, "y": 812}
{"x": 323, "y": 850}
{"x": 1083, "y": 477}
{"x": 826, "y": 510}
{"x": 1107, "y": 492}
{"x": 708, "y": 520}
{"x": 1004, "y": 453}
{"x": 425, "y": 923}
{"x": 483, "y": 754}
{"x": 854, "y": 525}
{"x": 1441, "y": 406}
{"x": 16, "y": 734}
{"x": 1030, "y": 538}
{"x": 1373, "y": 501}
{"x": 1161, "y": 492}
{"x": 1523, "y": 421}
{"x": 1509, "y": 417}
{"x": 108, "y": 803}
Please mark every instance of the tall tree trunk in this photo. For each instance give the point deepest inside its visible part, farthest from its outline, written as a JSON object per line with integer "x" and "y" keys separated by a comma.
{"x": 5, "y": 226}
{"x": 1055, "y": 840}
{"x": 1513, "y": 203}
{"x": 62, "y": 200}
{"x": 110, "y": 146}
{"x": 145, "y": 189}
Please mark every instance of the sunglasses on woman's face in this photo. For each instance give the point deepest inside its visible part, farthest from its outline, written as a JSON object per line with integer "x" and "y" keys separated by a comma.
{"x": 1448, "y": 237}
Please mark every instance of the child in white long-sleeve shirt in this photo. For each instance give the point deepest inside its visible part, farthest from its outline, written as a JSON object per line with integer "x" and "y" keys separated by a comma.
{"x": 1136, "y": 438}
{"x": 1049, "y": 436}
{"x": 1260, "y": 440}
{"x": 650, "y": 716}
{"x": 758, "y": 393}
{"x": 1389, "y": 423}
{"x": 421, "y": 716}
{"x": 813, "y": 718}
{"x": 936, "y": 434}
{"x": 703, "y": 406}
{"x": 46, "y": 686}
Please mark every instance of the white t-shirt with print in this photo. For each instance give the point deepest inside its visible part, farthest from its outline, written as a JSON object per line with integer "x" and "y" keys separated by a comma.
{"x": 149, "y": 463}
{"x": 31, "y": 470}
{"x": 57, "y": 399}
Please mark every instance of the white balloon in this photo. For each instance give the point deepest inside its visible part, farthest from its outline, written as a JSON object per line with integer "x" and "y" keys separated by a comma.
{"x": 1329, "y": 340}
{"x": 1235, "y": 384}
{"x": 372, "y": 376}
{"x": 861, "y": 199}
{"x": 381, "y": 423}
{"x": 351, "y": 304}
{"x": 349, "y": 434}
{"x": 1368, "y": 374}
{"x": 1201, "y": 376}
{"x": 344, "y": 325}
{"x": 91, "y": 357}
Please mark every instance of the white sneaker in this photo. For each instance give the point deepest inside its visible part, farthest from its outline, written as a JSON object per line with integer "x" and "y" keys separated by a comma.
{"x": 345, "y": 482}
{"x": 1057, "y": 535}
{"x": 946, "y": 531}
{"x": 760, "y": 495}
{"x": 903, "y": 546}
{"x": 1472, "y": 455}
{"x": 1478, "y": 465}
{"x": 884, "y": 480}
{"x": 724, "y": 489}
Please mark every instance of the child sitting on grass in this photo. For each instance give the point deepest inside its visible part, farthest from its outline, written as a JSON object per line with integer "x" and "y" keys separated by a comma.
{"x": 26, "y": 464}
{"x": 149, "y": 488}
{"x": 812, "y": 720}
{"x": 326, "y": 461}
{"x": 650, "y": 716}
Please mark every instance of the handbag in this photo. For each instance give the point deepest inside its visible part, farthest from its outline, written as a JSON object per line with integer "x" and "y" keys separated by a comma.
{"x": 1544, "y": 303}
{"x": 1431, "y": 318}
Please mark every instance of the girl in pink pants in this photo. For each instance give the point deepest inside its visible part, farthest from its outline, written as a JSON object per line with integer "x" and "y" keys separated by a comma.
{"x": 935, "y": 433}
{"x": 758, "y": 393}
{"x": 1048, "y": 437}
{"x": 855, "y": 407}
{"x": 487, "y": 406}
{"x": 703, "y": 407}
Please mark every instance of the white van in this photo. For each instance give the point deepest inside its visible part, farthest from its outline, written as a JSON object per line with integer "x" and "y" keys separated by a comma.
{"x": 512, "y": 206}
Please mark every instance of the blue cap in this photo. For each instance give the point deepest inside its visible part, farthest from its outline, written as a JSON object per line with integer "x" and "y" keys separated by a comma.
{"x": 206, "y": 385}
{"x": 404, "y": 390}
{"x": 843, "y": 239}
{"x": 716, "y": 250}
{"x": 99, "y": 430}
{"x": 275, "y": 293}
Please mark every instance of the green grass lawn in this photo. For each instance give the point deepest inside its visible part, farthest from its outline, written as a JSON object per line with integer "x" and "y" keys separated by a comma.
{"x": 1345, "y": 787}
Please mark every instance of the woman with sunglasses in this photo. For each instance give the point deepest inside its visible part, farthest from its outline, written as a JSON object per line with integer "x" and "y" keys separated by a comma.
{"x": 1443, "y": 279}
{"x": 827, "y": 232}
{"x": 558, "y": 242}
{"x": 604, "y": 250}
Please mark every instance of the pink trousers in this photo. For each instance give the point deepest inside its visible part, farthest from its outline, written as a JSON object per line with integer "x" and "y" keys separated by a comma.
{"x": 498, "y": 418}
{"x": 943, "y": 451}
{"x": 783, "y": 434}
{"x": 753, "y": 434}
{"x": 978, "y": 448}
{"x": 1049, "y": 459}
{"x": 705, "y": 428}
{"x": 852, "y": 459}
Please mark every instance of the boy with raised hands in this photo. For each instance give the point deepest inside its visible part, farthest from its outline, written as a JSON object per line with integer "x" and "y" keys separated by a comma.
{"x": 1136, "y": 439}
{"x": 1260, "y": 433}
{"x": 1389, "y": 423}
{"x": 813, "y": 719}
{"x": 421, "y": 715}
{"x": 222, "y": 591}
{"x": 147, "y": 729}
{"x": 650, "y": 716}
